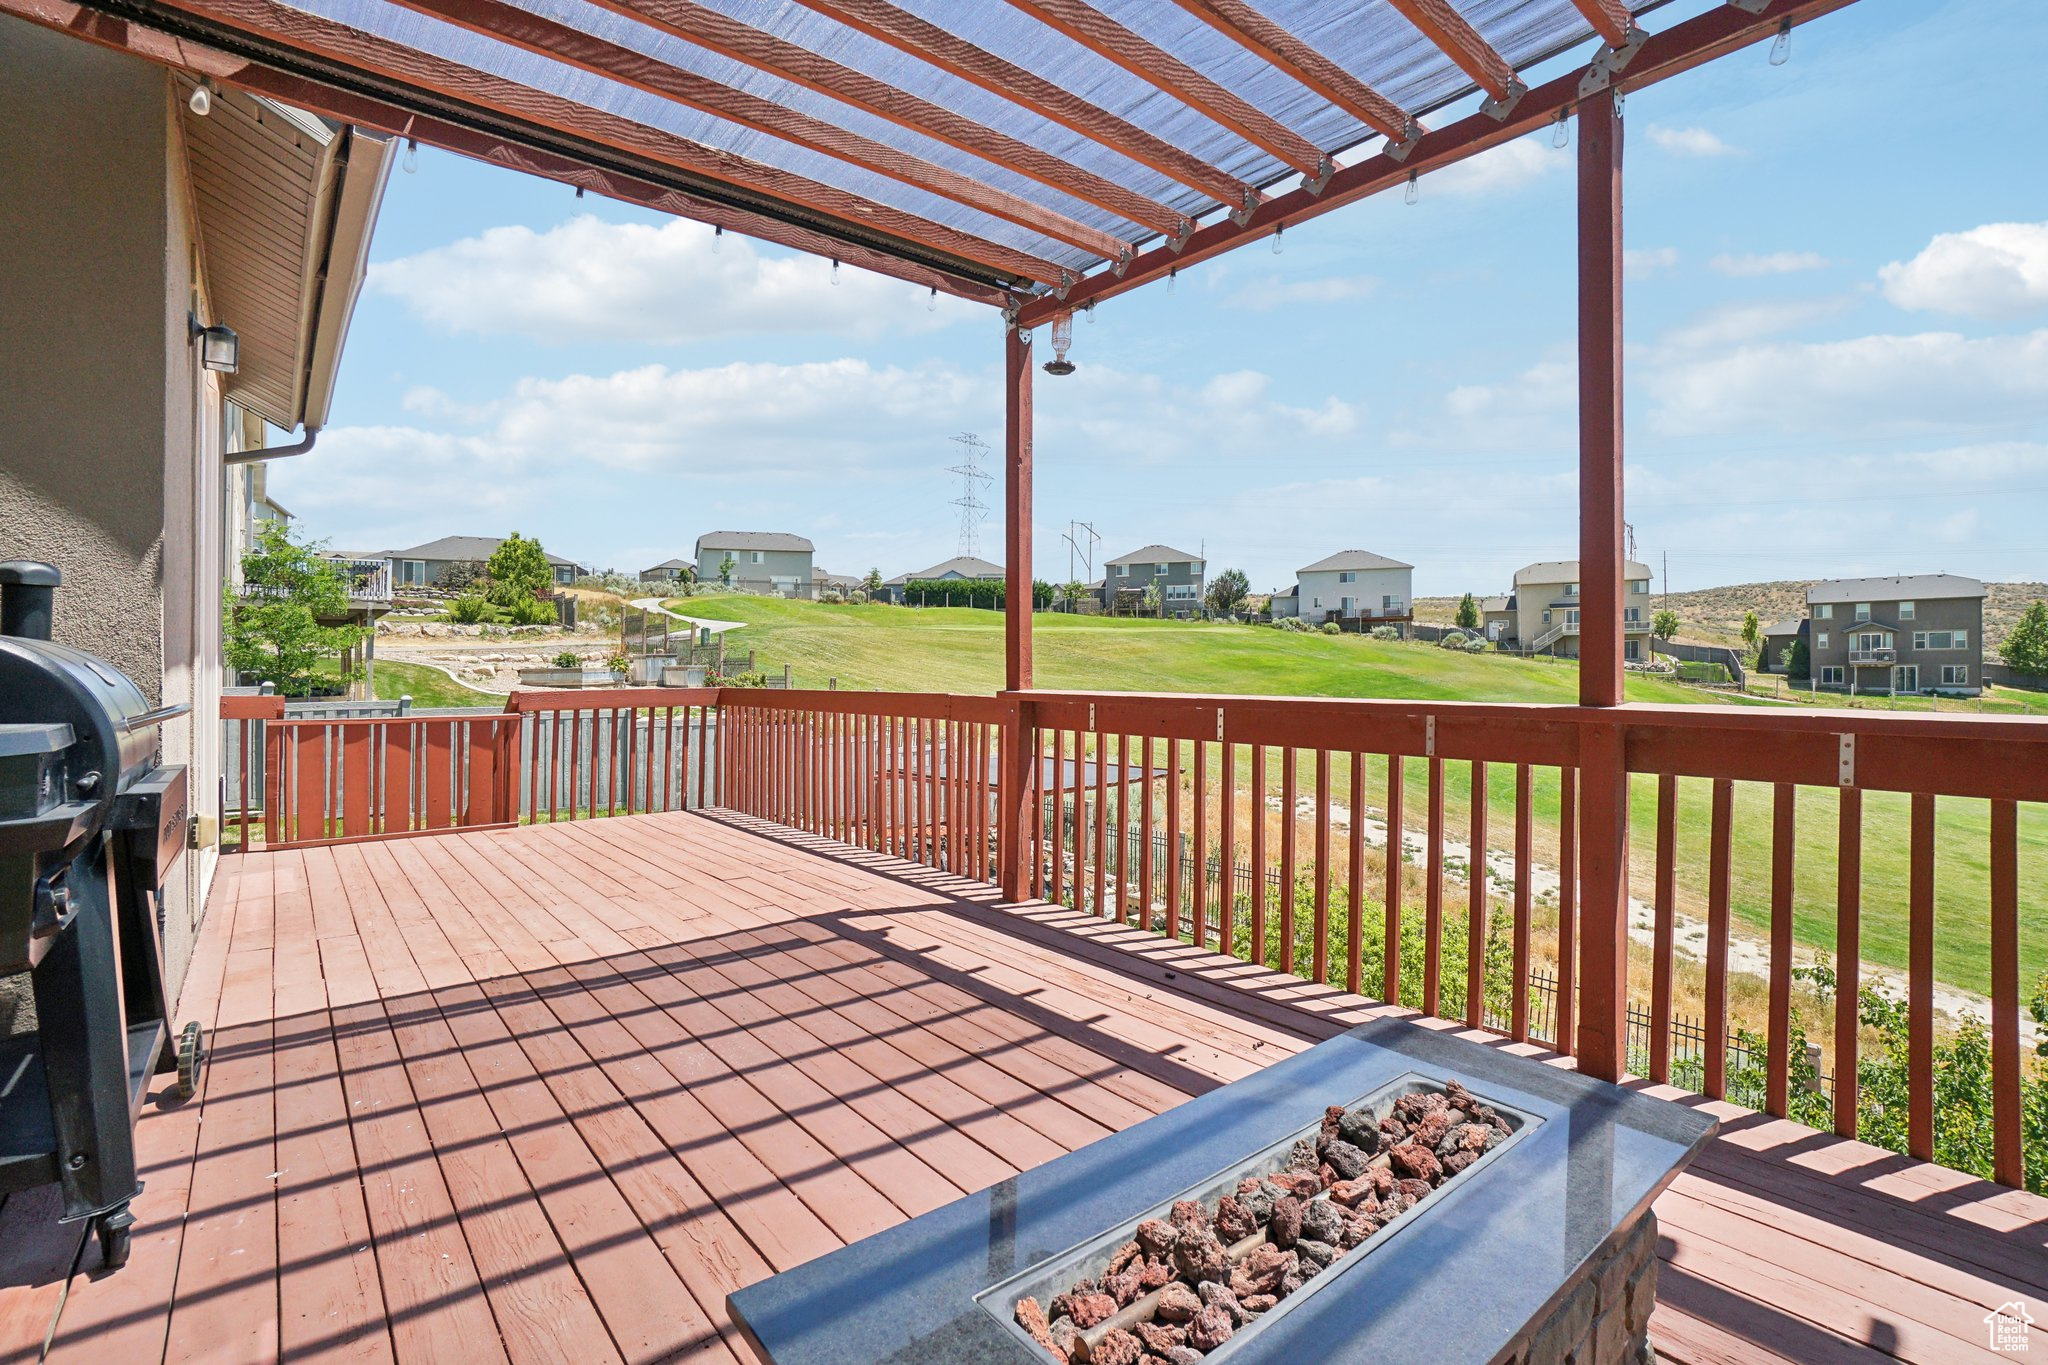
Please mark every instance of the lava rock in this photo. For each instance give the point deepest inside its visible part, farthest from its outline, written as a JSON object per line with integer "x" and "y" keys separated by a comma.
{"x": 1458, "y": 1161}
{"x": 1188, "y": 1215}
{"x": 1361, "y": 1130}
{"x": 1123, "y": 1286}
{"x": 1154, "y": 1275}
{"x": 1298, "y": 1274}
{"x": 1285, "y": 1225}
{"x": 1322, "y": 1220}
{"x": 1350, "y": 1162}
{"x": 1466, "y": 1137}
{"x": 1210, "y": 1329}
{"x": 1351, "y": 1193}
{"x": 1066, "y": 1339}
{"x": 1201, "y": 1257}
{"x": 1215, "y": 1295}
{"x": 1159, "y": 1337}
{"x": 1257, "y": 1197}
{"x": 1183, "y": 1355}
{"x": 1332, "y": 1118}
{"x": 1261, "y": 1271}
{"x": 1234, "y": 1222}
{"x": 1177, "y": 1303}
{"x": 1414, "y": 1161}
{"x": 1429, "y": 1130}
{"x": 1302, "y": 1156}
{"x": 1121, "y": 1257}
{"x": 1117, "y": 1347}
{"x": 1260, "y": 1303}
{"x": 1383, "y": 1180}
{"x": 1316, "y": 1252}
{"x": 1032, "y": 1319}
{"x": 1415, "y": 1190}
{"x": 1156, "y": 1237}
{"x": 1089, "y": 1309}
{"x": 1326, "y": 1176}
{"x": 1357, "y": 1227}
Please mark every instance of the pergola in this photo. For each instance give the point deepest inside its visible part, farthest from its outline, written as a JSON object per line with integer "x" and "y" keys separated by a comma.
{"x": 1038, "y": 156}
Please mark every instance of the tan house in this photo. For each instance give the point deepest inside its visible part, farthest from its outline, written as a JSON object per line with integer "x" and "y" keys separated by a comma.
{"x": 1914, "y": 633}
{"x": 1541, "y": 615}
{"x": 136, "y": 213}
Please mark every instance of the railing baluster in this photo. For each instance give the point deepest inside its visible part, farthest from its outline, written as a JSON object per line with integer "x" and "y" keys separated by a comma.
{"x": 1258, "y": 802}
{"x": 1034, "y": 830}
{"x": 1319, "y": 955}
{"x": 1777, "y": 1070}
{"x": 1848, "y": 955}
{"x": 398, "y": 748}
{"x": 1173, "y": 842}
{"x": 1719, "y": 872}
{"x": 2008, "y": 1159}
{"x": 1198, "y": 910}
{"x": 355, "y": 780}
{"x": 1397, "y": 857}
{"x": 1120, "y": 872}
{"x": 1518, "y": 1022}
{"x": 1058, "y": 871}
{"x": 1226, "y": 816}
{"x": 1145, "y": 868}
{"x": 1433, "y": 896}
{"x": 1476, "y": 904}
{"x": 1567, "y": 912}
{"x": 1665, "y": 934}
{"x": 984, "y": 769}
{"x": 1354, "y": 932}
{"x": 1100, "y": 877}
{"x": 1289, "y": 780}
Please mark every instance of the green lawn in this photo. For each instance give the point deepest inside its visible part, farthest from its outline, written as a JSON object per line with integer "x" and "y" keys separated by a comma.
{"x": 426, "y": 686}
{"x": 960, "y": 650}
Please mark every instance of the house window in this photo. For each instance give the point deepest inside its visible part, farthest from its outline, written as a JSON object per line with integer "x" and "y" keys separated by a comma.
{"x": 1832, "y": 674}
{"x": 412, "y": 571}
{"x": 1633, "y": 651}
{"x": 1871, "y": 640}
{"x": 1123, "y": 571}
{"x": 1820, "y": 641}
{"x": 1962, "y": 639}
{"x": 1387, "y": 604}
{"x": 1160, "y": 569}
{"x": 1955, "y": 675}
{"x": 1941, "y": 639}
{"x": 1632, "y": 615}
{"x": 1863, "y": 611}
{"x": 1906, "y": 678}
{"x": 1639, "y": 586}
{"x": 1546, "y": 616}
{"x": 1824, "y": 612}
{"x": 1571, "y": 590}
{"x": 1348, "y": 576}
{"x": 1348, "y": 605}
{"x": 1905, "y": 611}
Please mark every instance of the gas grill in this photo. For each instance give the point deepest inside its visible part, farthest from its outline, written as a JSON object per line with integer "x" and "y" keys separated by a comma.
{"x": 91, "y": 823}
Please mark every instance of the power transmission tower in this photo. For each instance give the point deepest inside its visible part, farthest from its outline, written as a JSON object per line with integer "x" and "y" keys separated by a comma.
{"x": 974, "y": 481}
{"x": 1081, "y": 540}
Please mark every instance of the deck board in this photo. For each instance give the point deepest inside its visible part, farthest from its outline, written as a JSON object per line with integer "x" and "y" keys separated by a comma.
{"x": 554, "y": 1092}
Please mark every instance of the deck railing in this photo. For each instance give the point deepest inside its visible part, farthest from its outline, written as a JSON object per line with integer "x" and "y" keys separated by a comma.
{"x": 1438, "y": 854}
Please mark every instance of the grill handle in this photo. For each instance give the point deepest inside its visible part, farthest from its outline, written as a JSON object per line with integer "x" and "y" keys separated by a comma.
{"x": 28, "y": 598}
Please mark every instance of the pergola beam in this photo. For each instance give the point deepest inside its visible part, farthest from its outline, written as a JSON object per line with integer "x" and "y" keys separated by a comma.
{"x": 559, "y": 42}
{"x": 1662, "y": 55}
{"x": 918, "y": 37}
{"x": 1454, "y": 35}
{"x": 1610, "y": 19}
{"x": 446, "y": 105}
{"x": 709, "y": 29}
{"x": 1159, "y": 68}
{"x": 1302, "y": 63}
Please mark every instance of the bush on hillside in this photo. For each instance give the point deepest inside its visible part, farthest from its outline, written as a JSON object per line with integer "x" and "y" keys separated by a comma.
{"x": 1293, "y": 623}
{"x": 1386, "y": 632}
{"x": 472, "y": 609}
{"x": 986, "y": 593}
{"x": 1475, "y": 645}
{"x": 1332, "y": 628}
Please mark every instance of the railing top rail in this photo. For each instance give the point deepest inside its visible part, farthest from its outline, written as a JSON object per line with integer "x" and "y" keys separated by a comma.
{"x": 608, "y": 698}
{"x": 252, "y": 708}
{"x": 916, "y": 705}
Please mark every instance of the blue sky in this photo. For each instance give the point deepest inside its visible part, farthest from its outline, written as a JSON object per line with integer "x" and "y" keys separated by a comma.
{"x": 1837, "y": 342}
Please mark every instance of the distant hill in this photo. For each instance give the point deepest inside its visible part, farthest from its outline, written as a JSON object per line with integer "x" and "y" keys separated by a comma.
{"x": 1714, "y": 615}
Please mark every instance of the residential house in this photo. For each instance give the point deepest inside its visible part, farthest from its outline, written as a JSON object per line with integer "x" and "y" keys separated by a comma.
{"x": 130, "y": 219}
{"x": 1775, "y": 654}
{"x": 772, "y": 563}
{"x": 1914, "y": 633}
{"x": 1541, "y": 615}
{"x": 1354, "y": 586}
{"x": 1179, "y": 576}
{"x": 960, "y": 568}
{"x": 424, "y": 566}
{"x": 824, "y": 581}
{"x": 668, "y": 571}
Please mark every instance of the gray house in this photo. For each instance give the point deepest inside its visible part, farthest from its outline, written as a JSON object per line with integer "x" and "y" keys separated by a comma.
{"x": 422, "y": 566}
{"x": 774, "y": 563}
{"x": 1914, "y": 633}
{"x": 668, "y": 571}
{"x": 1179, "y": 576}
{"x": 959, "y": 569}
{"x": 1775, "y": 655}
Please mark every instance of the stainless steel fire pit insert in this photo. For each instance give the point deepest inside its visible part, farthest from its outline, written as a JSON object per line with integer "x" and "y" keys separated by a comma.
{"x": 1056, "y": 1273}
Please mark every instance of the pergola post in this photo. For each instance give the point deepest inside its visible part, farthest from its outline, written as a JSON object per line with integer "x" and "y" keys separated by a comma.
{"x": 1014, "y": 794}
{"x": 1602, "y": 1045}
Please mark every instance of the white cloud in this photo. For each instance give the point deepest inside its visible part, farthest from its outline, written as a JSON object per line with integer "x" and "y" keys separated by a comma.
{"x": 1688, "y": 141}
{"x": 1873, "y": 385}
{"x": 1499, "y": 170}
{"x": 1751, "y": 264}
{"x": 1273, "y": 292}
{"x": 1734, "y": 324}
{"x": 1640, "y": 263}
{"x": 589, "y": 280}
{"x": 1994, "y": 271}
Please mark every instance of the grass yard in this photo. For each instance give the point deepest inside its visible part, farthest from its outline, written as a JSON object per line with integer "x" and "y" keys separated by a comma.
{"x": 960, "y": 650}
{"x": 426, "y": 686}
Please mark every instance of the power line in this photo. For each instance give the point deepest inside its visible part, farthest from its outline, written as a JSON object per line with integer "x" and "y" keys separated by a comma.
{"x": 974, "y": 480}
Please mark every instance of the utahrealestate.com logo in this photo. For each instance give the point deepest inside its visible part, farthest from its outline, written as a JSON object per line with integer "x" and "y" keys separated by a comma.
{"x": 2008, "y": 1326}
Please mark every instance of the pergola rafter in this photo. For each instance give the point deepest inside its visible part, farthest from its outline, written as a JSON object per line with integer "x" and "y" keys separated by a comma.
{"x": 1455, "y": 37}
{"x": 917, "y": 37}
{"x": 559, "y": 42}
{"x": 1303, "y": 63}
{"x": 1157, "y": 67}
{"x": 715, "y": 32}
{"x": 1610, "y": 19}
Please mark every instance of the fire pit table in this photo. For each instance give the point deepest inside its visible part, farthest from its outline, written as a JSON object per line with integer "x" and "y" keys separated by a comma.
{"x": 1541, "y": 1247}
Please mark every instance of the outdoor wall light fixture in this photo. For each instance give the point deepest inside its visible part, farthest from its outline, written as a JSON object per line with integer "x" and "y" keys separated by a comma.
{"x": 201, "y": 101}
{"x": 1781, "y": 46}
{"x": 1062, "y": 339}
{"x": 219, "y": 348}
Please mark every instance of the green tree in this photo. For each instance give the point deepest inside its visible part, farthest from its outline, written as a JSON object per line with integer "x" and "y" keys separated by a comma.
{"x": 1664, "y": 624}
{"x": 1468, "y": 613}
{"x": 1072, "y": 593}
{"x": 272, "y": 630}
{"x": 1151, "y": 599}
{"x": 2025, "y": 650}
{"x": 1227, "y": 592}
{"x": 1798, "y": 667}
{"x": 872, "y": 583}
{"x": 1752, "y": 633}
{"x": 518, "y": 569}
{"x": 725, "y": 568}
{"x": 461, "y": 575}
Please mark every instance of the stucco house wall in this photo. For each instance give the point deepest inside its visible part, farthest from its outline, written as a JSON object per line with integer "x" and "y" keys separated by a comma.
{"x": 1323, "y": 591}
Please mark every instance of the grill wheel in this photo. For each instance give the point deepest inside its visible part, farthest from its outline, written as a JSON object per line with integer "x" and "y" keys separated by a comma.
{"x": 190, "y": 1054}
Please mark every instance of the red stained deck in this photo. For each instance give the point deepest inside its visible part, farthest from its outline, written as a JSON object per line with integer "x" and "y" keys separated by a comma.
{"x": 549, "y": 1093}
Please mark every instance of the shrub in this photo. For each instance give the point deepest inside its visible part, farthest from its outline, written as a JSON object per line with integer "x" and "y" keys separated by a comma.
{"x": 472, "y": 609}
{"x": 1475, "y": 645}
{"x": 618, "y": 663}
{"x": 529, "y": 611}
{"x": 567, "y": 659}
{"x": 1332, "y": 628}
{"x": 1293, "y": 623}
{"x": 1386, "y": 633}
{"x": 987, "y": 593}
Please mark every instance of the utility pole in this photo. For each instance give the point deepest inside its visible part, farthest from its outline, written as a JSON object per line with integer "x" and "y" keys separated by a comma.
{"x": 974, "y": 480}
{"x": 1081, "y": 539}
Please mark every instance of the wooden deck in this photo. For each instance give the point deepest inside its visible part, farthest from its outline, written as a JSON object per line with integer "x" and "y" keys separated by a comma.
{"x": 550, "y": 1093}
